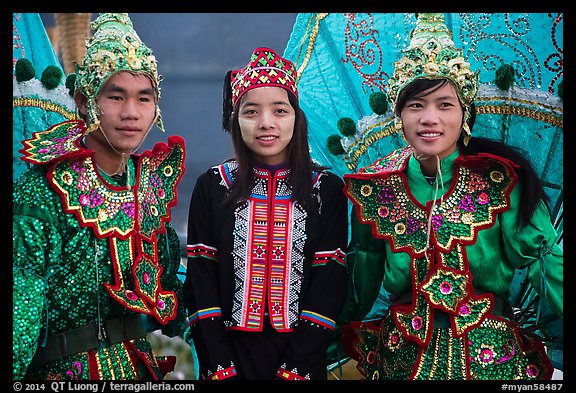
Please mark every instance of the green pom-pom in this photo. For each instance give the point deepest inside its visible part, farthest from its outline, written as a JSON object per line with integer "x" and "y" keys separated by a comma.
{"x": 347, "y": 126}
{"x": 561, "y": 89}
{"x": 334, "y": 145}
{"x": 71, "y": 83}
{"x": 51, "y": 77}
{"x": 378, "y": 102}
{"x": 504, "y": 76}
{"x": 24, "y": 70}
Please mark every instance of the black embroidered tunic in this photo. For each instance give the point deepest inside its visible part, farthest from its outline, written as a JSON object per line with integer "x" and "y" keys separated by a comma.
{"x": 265, "y": 263}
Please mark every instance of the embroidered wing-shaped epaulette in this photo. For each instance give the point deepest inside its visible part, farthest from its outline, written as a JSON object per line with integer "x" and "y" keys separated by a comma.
{"x": 108, "y": 210}
{"x": 56, "y": 142}
{"x": 480, "y": 190}
{"x": 160, "y": 171}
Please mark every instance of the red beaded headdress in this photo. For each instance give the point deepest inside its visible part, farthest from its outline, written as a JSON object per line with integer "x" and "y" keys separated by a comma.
{"x": 266, "y": 68}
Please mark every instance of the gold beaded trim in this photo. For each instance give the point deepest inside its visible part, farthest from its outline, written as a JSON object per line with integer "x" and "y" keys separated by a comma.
{"x": 311, "y": 42}
{"x": 43, "y": 104}
{"x": 362, "y": 146}
{"x": 504, "y": 109}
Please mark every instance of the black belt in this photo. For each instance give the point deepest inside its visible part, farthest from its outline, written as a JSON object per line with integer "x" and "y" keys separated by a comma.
{"x": 84, "y": 338}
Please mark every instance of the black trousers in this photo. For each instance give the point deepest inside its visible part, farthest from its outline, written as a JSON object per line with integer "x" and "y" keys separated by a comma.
{"x": 259, "y": 354}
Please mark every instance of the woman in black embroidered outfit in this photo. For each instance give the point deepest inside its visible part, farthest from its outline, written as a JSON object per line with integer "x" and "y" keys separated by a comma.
{"x": 267, "y": 233}
{"x": 443, "y": 224}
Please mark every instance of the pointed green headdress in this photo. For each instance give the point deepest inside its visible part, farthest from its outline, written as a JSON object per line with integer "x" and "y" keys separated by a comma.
{"x": 115, "y": 46}
{"x": 432, "y": 55}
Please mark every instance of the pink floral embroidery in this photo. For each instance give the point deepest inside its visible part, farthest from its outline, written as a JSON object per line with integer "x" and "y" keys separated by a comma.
{"x": 383, "y": 211}
{"x": 445, "y": 287}
{"x": 130, "y": 295}
{"x": 76, "y": 371}
{"x": 95, "y": 199}
{"x": 84, "y": 200}
{"x": 128, "y": 209}
{"x": 417, "y": 323}
{"x": 483, "y": 198}
{"x": 437, "y": 221}
{"x": 465, "y": 309}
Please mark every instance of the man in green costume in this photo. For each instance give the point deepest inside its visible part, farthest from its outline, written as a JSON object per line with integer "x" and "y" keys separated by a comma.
{"x": 95, "y": 256}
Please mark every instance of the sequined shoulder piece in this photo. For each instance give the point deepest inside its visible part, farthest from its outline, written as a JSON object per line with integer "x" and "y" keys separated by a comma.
{"x": 395, "y": 161}
{"x": 116, "y": 211}
{"x": 480, "y": 190}
{"x": 55, "y": 143}
{"x": 108, "y": 210}
{"x": 159, "y": 174}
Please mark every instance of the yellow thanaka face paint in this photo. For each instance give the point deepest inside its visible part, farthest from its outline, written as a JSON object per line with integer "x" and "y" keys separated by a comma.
{"x": 266, "y": 121}
{"x": 247, "y": 127}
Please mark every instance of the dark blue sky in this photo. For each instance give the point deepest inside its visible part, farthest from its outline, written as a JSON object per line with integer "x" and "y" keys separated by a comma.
{"x": 194, "y": 51}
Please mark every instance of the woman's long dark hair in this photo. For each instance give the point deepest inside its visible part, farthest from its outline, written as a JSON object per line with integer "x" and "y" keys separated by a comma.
{"x": 298, "y": 160}
{"x": 532, "y": 190}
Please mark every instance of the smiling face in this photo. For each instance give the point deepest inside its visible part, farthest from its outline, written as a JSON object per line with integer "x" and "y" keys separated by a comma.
{"x": 432, "y": 122}
{"x": 266, "y": 121}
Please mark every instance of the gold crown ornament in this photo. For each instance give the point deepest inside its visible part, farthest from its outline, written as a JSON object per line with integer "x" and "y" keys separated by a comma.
{"x": 114, "y": 47}
{"x": 432, "y": 55}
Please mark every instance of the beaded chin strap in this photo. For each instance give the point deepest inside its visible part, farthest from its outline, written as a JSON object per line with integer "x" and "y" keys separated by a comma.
{"x": 437, "y": 177}
{"x": 101, "y": 330}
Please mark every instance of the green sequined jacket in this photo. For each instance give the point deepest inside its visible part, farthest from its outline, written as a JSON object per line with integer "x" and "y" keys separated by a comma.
{"x": 87, "y": 249}
{"x": 469, "y": 259}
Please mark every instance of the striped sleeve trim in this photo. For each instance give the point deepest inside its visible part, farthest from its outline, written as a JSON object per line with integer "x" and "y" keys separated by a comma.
{"x": 203, "y": 314}
{"x": 317, "y": 318}
{"x": 225, "y": 172}
{"x": 321, "y": 258}
{"x": 202, "y": 250}
{"x": 289, "y": 375}
{"x": 222, "y": 373}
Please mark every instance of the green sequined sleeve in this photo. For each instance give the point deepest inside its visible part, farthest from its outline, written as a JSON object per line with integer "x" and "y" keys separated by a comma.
{"x": 36, "y": 252}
